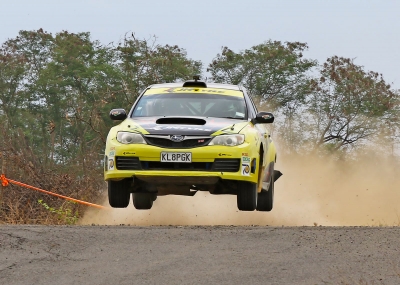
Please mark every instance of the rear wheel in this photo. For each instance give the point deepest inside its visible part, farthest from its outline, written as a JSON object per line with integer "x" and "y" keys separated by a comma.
{"x": 265, "y": 201}
{"x": 119, "y": 193}
{"x": 143, "y": 201}
{"x": 247, "y": 196}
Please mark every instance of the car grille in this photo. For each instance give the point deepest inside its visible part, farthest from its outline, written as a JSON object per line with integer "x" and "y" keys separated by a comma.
{"x": 194, "y": 166}
{"x": 188, "y": 142}
{"x": 226, "y": 165}
{"x": 127, "y": 163}
{"x": 220, "y": 165}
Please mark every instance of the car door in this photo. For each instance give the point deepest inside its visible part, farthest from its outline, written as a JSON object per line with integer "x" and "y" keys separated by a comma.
{"x": 268, "y": 165}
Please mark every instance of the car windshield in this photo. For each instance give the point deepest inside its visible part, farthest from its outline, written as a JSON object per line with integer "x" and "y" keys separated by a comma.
{"x": 199, "y": 104}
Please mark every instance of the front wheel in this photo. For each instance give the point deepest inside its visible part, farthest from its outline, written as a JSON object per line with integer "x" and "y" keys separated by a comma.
{"x": 119, "y": 193}
{"x": 247, "y": 196}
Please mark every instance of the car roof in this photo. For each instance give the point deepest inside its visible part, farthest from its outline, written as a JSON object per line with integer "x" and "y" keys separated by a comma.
{"x": 209, "y": 85}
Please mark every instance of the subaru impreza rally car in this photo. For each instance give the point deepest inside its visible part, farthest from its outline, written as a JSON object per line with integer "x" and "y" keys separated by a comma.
{"x": 180, "y": 138}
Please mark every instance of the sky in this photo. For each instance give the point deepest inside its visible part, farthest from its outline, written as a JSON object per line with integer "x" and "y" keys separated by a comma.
{"x": 367, "y": 31}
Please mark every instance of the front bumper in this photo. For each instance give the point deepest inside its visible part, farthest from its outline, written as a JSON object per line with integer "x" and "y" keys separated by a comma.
{"x": 209, "y": 164}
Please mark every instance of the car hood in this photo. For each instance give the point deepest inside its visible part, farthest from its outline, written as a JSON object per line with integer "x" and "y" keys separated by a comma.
{"x": 205, "y": 126}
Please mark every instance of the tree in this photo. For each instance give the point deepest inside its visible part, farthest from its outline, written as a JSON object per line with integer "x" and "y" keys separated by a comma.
{"x": 33, "y": 49}
{"x": 75, "y": 89}
{"x": 349, "y": 104}
{"x": 12, "y": 74}
{"x": 274, "y": 73}
{"x": 144, "y": 62}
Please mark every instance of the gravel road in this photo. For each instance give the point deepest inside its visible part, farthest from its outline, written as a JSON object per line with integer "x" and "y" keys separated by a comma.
{"x": 199, "y": 255}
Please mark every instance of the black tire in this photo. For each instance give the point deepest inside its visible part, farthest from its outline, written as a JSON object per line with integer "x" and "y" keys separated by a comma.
{"x": 247, "y": 196}
{"x": 119, "y": 193}
{"x": 265, "y": 200}
{"x": 143, "y": 201}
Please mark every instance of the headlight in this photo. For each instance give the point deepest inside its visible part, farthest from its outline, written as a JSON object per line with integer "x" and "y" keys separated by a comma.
{"x": 130, "y": 138}
{"x": 227, "y": 140}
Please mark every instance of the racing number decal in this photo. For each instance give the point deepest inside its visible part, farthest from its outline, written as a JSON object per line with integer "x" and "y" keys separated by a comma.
{"x": 245, "y": 165}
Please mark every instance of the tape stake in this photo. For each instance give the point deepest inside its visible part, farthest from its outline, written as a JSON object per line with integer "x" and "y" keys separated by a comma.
{"x": 4, "y": 180}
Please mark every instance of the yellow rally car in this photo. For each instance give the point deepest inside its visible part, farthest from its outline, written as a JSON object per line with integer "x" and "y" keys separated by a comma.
{"x": 180, "y": 138}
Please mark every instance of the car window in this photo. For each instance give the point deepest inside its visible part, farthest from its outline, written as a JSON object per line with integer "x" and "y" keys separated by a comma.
{"x": 252, "y": 110}
{"x": 254, "y": 106}
{"x": 190, "y": 104}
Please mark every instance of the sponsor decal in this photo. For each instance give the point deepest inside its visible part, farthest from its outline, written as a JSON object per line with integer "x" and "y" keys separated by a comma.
{"x": 128, "y": 153}
{"x": 159, "y": 128}
{"x": 245, "y": 154}
{"x": 245, "y": 159}
{"x": 111, "y": 164}
{"x": 186, "y": 90}
{"x": 203, "y": 90}
{"x": 154, "y": 128}
{"x": 186, "y": 128}
{"x": 111, "y": 153}
{"x": 170, "y": 90}
{"x": 245, "y": 165}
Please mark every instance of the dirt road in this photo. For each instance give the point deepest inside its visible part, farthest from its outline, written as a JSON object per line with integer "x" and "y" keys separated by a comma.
{"x": 198, "y": 255}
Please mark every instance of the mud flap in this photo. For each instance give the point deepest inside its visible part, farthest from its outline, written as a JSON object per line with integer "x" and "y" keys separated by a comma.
{"x": 277, "y": 174}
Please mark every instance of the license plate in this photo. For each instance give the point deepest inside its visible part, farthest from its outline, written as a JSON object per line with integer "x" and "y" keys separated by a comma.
{"x": 176, "y": 157}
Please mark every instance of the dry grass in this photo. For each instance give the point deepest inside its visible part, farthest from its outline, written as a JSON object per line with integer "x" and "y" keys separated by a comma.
{"x": 21, "y": 205}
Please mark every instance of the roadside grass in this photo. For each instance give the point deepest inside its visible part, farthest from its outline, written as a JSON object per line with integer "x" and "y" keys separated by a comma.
{"x": 63, "y": 215}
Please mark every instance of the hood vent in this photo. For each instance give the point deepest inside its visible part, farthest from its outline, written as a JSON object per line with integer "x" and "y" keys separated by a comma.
{"x": 181, "y": 121}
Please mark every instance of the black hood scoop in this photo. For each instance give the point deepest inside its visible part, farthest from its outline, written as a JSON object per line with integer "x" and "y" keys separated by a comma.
{"x": 181, "y": 121}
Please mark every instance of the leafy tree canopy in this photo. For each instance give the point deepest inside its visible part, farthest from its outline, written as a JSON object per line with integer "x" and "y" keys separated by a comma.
{"x": 273, "y": 72}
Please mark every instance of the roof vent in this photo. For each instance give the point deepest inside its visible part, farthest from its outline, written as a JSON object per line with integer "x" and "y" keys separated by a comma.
{"x": 195, "y": 82}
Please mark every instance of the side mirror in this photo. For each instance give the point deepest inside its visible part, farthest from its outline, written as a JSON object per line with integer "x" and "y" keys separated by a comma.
{"x": 118, "y": 114}
{"x": 263, "y": 118}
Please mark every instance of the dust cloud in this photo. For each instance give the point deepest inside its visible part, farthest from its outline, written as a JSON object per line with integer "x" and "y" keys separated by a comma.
{"x": 311, "y": 192}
